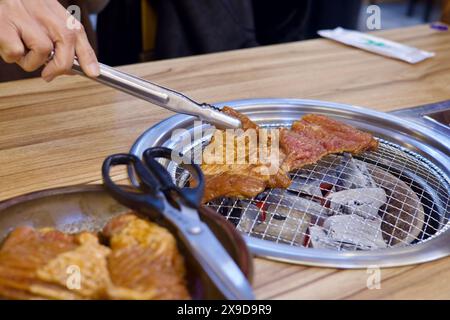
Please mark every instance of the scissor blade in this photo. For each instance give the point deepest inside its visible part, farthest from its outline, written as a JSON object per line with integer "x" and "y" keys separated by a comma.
{"x": 221, "y": 268}
{"x": 212, "y": 256}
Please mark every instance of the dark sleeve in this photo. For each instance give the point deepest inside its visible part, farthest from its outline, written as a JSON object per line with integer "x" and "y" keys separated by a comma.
{"x": 280, "y": 21}
{"x": 325, "y": 14}
{"x": 119, "y": 32}
{"x": 188, "y": 27}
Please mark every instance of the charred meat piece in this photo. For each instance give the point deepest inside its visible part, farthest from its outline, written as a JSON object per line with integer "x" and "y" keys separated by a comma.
{"x": 233, "y": 165}
{"x": 245, "y": 121}
{"x": 145, "y": 262}
{"x": 311, "y": 138}
{"x": 231, "y": 185}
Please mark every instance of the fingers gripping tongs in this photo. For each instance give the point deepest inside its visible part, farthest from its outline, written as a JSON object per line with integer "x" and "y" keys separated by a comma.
{"x": 161, "y": 96}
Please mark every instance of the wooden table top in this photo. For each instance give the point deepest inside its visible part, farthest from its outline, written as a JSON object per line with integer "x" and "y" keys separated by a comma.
{"x": 58, "y": 134}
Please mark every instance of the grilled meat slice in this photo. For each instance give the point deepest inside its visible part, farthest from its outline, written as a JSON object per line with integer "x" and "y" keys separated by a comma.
{"x": 309, "y": 139}
{"x": 315, "y": 136}
{"x": 142, "y": 263}
{"x": 33, "y": 264}
{"x": 145, "y": 262}
{"x": 83, "y": 270}
{"x": 245, "y": 121}
{"x": 239, "y": 170}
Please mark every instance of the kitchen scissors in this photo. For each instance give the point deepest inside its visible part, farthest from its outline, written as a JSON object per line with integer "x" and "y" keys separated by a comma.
{"x": 159, "y": 197}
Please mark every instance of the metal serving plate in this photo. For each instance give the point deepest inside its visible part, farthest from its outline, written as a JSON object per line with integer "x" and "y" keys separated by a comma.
{"x": 77, "y": 208}
{"x": 429, "y": 146}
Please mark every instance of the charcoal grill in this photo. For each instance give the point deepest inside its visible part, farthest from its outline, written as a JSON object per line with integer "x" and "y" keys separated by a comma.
{"x": 412, "y": 165}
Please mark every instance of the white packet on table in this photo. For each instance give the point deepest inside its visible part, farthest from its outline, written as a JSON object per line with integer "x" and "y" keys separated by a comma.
{"x": 376, "y": 44}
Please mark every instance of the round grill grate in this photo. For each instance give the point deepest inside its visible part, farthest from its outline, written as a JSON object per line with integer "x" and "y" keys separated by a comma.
{"x": 417, "y": 206}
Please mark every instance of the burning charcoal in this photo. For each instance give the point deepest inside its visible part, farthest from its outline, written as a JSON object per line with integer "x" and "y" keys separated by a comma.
{"x": 309, "y": 181}
{"x": 365, "y": 233}
{"x": 365, "y": 179}
{"x": 250, "y": 218}
{"x": 353, "y": 174}
{"x": 364, "y": 202}
{"x": 226, "y": 208}
{"x": 306, "y": 186}
{"x": 286, "y": 225}
{"x": 284, "y": 198}
{"x": 321, "y": 240}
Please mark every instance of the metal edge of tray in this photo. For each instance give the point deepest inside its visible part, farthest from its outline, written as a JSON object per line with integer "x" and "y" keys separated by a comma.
{"x": 421, "y": 114}
{"x": 438, "y": 148}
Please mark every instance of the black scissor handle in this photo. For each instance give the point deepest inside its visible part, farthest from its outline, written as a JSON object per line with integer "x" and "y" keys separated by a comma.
{"x": 138, "y": 201}
{"x": 192, "y": 196}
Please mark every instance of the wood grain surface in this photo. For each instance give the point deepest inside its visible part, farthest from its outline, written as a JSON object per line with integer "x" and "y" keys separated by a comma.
{"x": 58, "y": 134}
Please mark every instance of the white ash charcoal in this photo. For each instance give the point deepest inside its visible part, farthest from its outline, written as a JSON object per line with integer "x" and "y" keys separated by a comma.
{"x": 311, "y": 207}
{"x": 353, "y": 174}
{"x": 364, "y": 202}
{"x": 283, "y": 224}
{"x": 306, "y": 186}
{"x": 318, "y": 173}
{"x": 283, "y": 198}
{"x": 292, "y": 216}
{"x": 319, "y": 239}
{"x": 366, "y": 179}
{"x": 365, "y": 233}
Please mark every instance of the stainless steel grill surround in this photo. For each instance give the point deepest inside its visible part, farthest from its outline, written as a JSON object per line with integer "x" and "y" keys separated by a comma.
{"x": 431, "y": 149}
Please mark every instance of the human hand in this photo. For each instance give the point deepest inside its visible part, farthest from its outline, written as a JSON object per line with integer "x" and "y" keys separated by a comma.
{"x": 32, "y": 29}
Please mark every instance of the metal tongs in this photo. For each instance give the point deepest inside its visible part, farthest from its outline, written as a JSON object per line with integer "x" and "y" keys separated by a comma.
{"x": 163, "y": 97}
{"x": 158, "y": 198}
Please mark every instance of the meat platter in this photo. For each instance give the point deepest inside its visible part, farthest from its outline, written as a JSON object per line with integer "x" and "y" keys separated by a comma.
{"x": 57, "y": 218}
